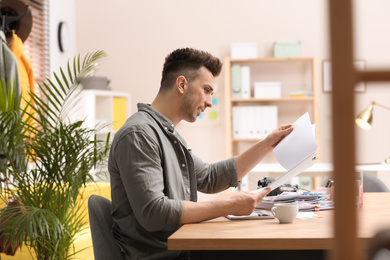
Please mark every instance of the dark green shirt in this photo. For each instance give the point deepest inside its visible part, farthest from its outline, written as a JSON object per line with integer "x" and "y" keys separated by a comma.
{"x": 151, "y": 172}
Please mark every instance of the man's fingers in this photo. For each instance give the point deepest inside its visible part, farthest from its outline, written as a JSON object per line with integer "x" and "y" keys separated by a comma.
{"x": 287, "y": 130}
{"x": 262, "y": 194}
{"x": 284, "y": 127}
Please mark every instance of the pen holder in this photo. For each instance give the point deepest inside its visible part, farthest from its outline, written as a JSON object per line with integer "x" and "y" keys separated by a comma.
{"x": 359, "y": 189}
{"x": 327, "y": 191}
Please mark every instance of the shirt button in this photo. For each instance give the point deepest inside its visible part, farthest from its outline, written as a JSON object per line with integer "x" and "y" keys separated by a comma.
{"x": 183, "y": 165}
{"x": 173, "y": 125}
{"x": 175, "y": 142}
{"x": 188, "y": 190}
{"x": 166, "y": 128}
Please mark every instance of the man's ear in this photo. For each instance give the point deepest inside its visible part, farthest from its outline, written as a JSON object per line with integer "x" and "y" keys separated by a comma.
{"x": 181, "y": 84}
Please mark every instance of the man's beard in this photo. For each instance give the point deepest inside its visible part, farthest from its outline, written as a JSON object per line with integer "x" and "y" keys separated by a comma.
{"x": 188, "y": 110}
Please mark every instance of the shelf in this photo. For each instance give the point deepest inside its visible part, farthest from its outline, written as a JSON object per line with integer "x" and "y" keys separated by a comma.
{"x": 246, "y": 140}
{"x": 105, "y": 93}
{"x": 282, "y": 99}
{"x": 298, "y": 73}
{"x": 271, "y": 59}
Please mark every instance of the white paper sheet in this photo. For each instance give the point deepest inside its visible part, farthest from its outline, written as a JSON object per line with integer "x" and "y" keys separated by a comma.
{"x": 296, "y": 152}
{"x": 298, "y": 145}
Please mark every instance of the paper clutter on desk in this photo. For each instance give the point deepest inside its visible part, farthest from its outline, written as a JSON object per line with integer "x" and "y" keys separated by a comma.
{"x": 308, "y": 201}
{"x": 306, "y": 215}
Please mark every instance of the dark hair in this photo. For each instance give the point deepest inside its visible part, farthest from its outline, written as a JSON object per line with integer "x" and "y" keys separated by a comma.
{"x": 187, "y": 62}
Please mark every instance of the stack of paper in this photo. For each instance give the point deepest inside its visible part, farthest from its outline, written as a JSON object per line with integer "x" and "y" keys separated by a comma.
{"x": 307, "y": 201}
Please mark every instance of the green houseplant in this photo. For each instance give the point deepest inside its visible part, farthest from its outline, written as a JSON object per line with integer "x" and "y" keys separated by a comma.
{"x": 47, "y": 161}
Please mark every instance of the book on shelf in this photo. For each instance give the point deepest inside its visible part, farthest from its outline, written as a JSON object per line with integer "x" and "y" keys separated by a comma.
{"x": 236, "y": 81}
{"x": 241, "y": 81}
{"x": 254, "y": 122}
{"x": 245, "y": 82}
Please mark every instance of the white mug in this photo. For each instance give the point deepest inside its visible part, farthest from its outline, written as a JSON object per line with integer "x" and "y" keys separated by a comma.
{"x": 285, "y": 212}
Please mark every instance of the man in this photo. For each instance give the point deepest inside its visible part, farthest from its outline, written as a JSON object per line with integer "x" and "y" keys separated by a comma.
{"x": 155, "y": 177}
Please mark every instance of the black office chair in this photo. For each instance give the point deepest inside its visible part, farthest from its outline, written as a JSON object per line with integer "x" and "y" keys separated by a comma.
{"x": 379, "y": 246}
{"x": 105, "y": 246}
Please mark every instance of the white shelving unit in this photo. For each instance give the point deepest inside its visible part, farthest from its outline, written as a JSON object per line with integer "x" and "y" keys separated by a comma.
{"x": 103, "y": 107}
{"x": 294, "y": 73}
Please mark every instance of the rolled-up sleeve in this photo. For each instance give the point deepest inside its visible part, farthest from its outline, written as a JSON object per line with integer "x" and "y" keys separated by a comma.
{"x": 143, "y": 180}
{"x": 215, "y": 177}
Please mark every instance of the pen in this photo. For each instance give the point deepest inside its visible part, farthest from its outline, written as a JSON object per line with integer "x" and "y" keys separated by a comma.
{"x": 329, "y": 183}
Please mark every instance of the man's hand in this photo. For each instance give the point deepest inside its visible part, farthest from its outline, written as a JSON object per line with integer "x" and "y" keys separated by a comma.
{"x": 244, "y": 203}
{"x": 277, "y": 135}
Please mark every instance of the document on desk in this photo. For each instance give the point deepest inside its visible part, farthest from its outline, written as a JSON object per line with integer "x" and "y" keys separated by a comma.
{"x": 296, "y": 152}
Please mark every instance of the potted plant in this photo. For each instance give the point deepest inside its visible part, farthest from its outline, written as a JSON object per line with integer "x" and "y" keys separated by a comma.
{"x": 47, "y": 161}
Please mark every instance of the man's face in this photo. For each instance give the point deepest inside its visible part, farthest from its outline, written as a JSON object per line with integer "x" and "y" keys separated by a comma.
{"x": 197, "y": 96}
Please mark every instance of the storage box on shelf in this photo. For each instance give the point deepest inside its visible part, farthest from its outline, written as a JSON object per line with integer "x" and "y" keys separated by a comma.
{"x": 292, "y": 90}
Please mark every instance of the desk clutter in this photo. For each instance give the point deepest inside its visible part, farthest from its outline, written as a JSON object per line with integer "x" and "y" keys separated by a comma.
{"x": 307, "y": 201}
{"x": 286, "y": 193}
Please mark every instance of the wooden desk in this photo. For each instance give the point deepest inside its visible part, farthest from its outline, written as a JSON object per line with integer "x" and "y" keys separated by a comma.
{"x": 268, "y": 234}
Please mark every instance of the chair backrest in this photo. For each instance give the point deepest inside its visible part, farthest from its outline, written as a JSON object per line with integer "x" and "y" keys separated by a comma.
{"x": 379, "y": 246}
{"x": 371, "y": 183}
{"x": 105, "y": 246}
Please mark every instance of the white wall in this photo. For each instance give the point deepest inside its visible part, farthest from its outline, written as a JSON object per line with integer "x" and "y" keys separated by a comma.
{"x": 137, "y": 35}
{"x": 61, "y": 11}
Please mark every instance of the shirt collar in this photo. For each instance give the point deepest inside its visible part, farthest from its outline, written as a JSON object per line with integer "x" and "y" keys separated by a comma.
{"x": 166, "y": 124}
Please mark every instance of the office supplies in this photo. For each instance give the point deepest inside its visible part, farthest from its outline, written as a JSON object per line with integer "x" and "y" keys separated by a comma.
{"x": 306, "y": 215}
{"x": 287, "y": 49}
{"x": 300, "y": 93}
{"x": 307, "y": 201}
{"x": 268, "y": 89}
{"x": 279, "y": 190}
{"x": 259, "y": 122}
{"x": 245, "y": 82}
{"x": 270, "y": 120}
{"x": 359, "y": 189}
{"x": 243, "y": 50}
{"x": 257, "y": 214}
{"x": 236, "y": 81}
{"x": 237, "y": 122}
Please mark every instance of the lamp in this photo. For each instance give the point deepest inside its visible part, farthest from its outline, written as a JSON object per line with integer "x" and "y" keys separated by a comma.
{"x": 364, "y": 119}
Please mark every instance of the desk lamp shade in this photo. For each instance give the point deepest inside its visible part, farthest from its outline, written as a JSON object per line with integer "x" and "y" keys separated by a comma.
{"x": 364, "y": 119}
